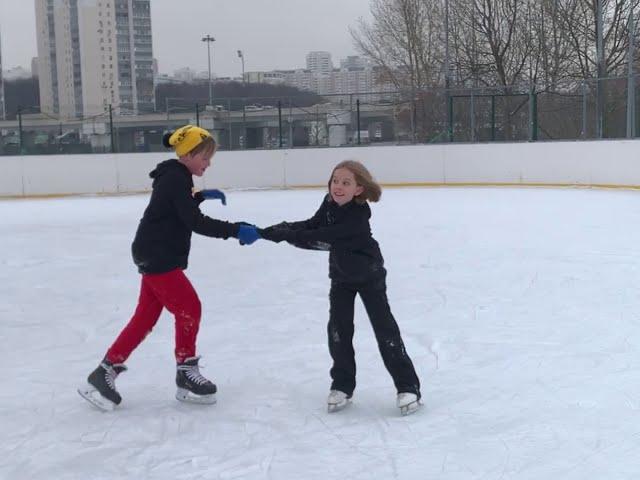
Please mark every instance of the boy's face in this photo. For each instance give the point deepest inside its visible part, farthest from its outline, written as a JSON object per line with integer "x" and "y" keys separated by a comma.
{"x": 344, "y": 186}
{"x": 197, "y": 163}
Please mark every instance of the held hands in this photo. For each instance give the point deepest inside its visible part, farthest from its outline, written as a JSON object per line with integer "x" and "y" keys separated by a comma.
{"x": 214, "y": 194}
{"x": 277, "y": 233}
{"x": 247, "y": 234}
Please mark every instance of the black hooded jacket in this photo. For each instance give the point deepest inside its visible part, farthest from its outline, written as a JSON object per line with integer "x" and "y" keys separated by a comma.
{"x": 163, "y": 240}
{"x": 354, "y": 255}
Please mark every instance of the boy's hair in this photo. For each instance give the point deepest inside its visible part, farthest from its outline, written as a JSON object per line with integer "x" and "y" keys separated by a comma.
{"x": 371, "y": 189}
{"x": 207, "y": 145}
{"x": 189, "y": 139}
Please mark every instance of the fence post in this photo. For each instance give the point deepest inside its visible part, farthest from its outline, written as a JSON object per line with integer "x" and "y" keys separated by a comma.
{"x": 20, "y": 129}
{"x": 600, "y": 64}
{"x": 280, "y": 122}
{"x": 631, "y": 84}
{"x": 113, "y": 143}
{"x": 290, "y": 123}
{"x": 244, "y": 125}
{"x": 472, "y": 113}
{"x": 197, "y": 115}
{"x": 583, "y": 134}
{"x": 358, "y": 119}
{"x": 493, "y": 117}
{"x": 414, "y": 118}
{"x": 230, "y": 124}
{"x": 450, "y": 116}
{"x": 533, "y": 115}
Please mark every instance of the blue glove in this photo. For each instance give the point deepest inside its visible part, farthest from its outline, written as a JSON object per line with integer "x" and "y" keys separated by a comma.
{"x": 214, "y": 194}
{"x": 247, "y": 234}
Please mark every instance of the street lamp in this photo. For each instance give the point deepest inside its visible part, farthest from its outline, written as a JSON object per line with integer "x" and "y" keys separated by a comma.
{"x": 241, "y": 57}
{"x": 209, "y": 39}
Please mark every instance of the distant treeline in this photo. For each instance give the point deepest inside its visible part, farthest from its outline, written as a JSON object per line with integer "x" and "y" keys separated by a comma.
{"x": 25, "y": 94}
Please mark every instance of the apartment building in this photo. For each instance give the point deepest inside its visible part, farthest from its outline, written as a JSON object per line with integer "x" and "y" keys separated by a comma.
{"x": 355, "y": 75}
{"x": 92, "y": 54}
{"x": 3, "y": 110}
{"x": 319, "y": 62}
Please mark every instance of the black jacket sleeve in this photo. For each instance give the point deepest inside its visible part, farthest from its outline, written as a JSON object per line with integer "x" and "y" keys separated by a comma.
{"x": 314, "y": 222}
{"x": 189, "y": 213}
{"x": 315, "y": 234}
{"x": 331, "y": 233}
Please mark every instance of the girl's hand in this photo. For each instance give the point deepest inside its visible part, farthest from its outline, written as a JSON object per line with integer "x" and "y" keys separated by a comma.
{"x": 276, "y": 233}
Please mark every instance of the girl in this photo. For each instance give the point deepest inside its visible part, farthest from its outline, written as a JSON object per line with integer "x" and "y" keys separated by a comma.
{"x": 356, "y": 266}
{"x": 160, "y": 251}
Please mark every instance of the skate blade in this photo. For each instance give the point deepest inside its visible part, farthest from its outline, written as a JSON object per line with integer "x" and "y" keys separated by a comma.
{"x": 336, "y": 407}
{"x": 186, "y": 396}
{"x": 410, "y": 408}
{"x": 91, "y": 395}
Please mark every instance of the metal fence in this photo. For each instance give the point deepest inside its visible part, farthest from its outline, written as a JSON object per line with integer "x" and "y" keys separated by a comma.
{"x": 567, "y": 111}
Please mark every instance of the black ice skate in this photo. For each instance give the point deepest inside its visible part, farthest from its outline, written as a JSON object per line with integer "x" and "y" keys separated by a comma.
{"x": 101, "y": 386}
{"x": 192, "y": 386}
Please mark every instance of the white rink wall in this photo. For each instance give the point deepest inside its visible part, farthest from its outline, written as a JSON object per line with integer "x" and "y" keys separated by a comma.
{"x": 591, "y": 163}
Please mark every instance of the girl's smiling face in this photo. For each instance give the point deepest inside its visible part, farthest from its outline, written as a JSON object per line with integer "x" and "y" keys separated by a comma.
{"x": 343, "y": 186}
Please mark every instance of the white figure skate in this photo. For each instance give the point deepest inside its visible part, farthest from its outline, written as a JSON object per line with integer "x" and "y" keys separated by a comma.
{"x": 337, "y": 400}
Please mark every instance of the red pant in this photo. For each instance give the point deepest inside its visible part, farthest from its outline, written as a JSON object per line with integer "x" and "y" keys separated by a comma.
{"x": 173, "y": 291}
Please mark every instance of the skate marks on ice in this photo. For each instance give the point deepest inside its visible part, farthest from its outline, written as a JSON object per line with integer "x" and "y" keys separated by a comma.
{"x": 539, "y": 383}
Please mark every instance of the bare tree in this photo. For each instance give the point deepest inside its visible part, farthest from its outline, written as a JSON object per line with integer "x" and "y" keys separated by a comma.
{"x": 554, "y": 43}
{"x": 403, "y": 42}
{"x": 494, "y": 40}
{"x": 578, "y": 20}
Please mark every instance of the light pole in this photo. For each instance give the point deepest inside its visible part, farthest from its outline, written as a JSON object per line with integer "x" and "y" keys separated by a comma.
{"x": 600, "y": 65}
{"x": 241, "y": 57}
{"x": 209, "y": 39}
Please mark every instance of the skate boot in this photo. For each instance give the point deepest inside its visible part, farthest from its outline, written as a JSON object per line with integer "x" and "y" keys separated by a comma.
{"x": 408, "y": 402}
{"x": 193, "y": 387}
{"x": 100, "y": 390}
{"x": 337, "y": 400}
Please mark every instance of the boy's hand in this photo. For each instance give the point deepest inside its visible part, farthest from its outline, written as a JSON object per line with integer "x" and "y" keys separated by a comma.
{"x": 214, "y": 194}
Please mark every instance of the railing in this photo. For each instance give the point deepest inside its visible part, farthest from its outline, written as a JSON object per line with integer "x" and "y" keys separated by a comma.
{"x": 487, "y": 114}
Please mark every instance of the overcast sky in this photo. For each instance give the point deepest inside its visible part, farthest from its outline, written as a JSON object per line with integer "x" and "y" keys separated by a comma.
{"x": 274, "y": 34}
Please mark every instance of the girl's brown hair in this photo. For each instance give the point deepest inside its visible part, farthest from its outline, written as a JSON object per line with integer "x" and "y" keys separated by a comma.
{"x": 371, "y": 189}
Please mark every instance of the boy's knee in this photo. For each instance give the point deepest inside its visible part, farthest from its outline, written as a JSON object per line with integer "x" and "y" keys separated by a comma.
{"x": 189, "y": 313}
{"x": 195, "y": 311}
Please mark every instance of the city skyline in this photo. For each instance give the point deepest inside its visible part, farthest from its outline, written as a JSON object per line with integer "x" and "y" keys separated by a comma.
{"x": 268, "y": 39}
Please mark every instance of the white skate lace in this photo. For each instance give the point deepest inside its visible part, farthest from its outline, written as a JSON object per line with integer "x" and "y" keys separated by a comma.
{"x": 110, "y": 376}
{"x": 193, "y": 373}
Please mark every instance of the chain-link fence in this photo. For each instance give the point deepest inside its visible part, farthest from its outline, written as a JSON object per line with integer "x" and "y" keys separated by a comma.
{"x": 582, "y": 109}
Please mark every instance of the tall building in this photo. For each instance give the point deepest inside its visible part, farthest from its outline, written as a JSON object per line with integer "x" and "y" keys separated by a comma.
{"x": 2, "y": 106}
{"x": 34, "y": 67}
{"x": 92, "y": 54}
{"x": 319, "y": 62}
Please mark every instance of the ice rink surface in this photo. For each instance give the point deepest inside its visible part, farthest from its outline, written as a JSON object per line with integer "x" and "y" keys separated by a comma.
{"x": 519, "y": 308}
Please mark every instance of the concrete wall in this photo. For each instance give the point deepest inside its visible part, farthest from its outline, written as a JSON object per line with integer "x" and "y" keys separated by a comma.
{"x": 603, "y": 163}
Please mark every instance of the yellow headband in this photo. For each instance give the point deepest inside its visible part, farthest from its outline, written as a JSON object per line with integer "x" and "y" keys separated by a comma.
{"x": 187, "y": 138}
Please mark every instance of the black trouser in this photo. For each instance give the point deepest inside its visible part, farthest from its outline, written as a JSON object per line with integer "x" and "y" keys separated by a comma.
{"x": 340, "y": 332}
